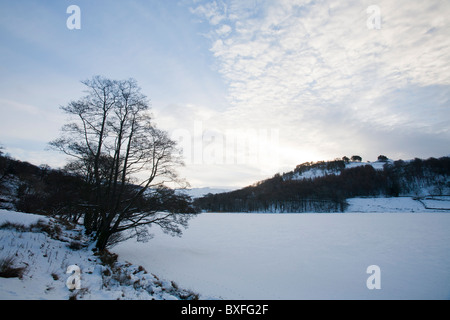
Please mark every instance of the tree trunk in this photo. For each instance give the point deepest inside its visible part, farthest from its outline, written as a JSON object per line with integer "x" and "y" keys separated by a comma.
{"x": 102, "y": 240}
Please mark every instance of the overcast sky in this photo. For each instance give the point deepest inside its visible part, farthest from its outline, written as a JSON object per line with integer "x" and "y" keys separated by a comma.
{"x": 248, "y": 87}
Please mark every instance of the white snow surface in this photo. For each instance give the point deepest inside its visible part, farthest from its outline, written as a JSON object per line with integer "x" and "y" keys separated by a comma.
{"x": 304, "y": 256}
{"x": 252, "y": 257}
{"x": 382, "y": 205}
{"x": 21, "y": 218}
{"x": 437, "y": 202}
{"x": 46, "y": 261}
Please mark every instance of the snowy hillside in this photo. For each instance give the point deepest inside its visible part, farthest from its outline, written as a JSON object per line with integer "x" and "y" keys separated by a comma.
{"x": 201, "y": 192}
{"x": 325, "y": 186}
{"x": 316, "y": 170}
{"x": 35, "y": 253}
{"x": 8, "y": 192}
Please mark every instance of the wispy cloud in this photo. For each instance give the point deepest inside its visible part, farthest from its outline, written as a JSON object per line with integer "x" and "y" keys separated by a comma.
{"x": 310, "y": 71}
{"x": 314, "y": 69}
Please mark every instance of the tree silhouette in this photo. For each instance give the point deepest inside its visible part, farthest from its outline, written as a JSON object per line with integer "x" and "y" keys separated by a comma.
{"x": 113, "y": 143}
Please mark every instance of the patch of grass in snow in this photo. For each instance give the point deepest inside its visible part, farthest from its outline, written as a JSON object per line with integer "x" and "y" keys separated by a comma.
{"x": 51, "y": 229}
{"x": 107, "y": 258}
{"x": 78, "y": 294}
{"x": 75, "y": 245}
{"x": 54, "y": 229}
{"x": 14, "y": 226}
{"x": 8, "y": 270}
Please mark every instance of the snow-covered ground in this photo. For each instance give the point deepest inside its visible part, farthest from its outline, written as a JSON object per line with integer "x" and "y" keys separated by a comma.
{"x": 249, "y": 256}
{"x": 45, "y": 260}
{"x": 304, "y": 256}
{"x": 436, "y": 202}
{"x": 400, "y": 204}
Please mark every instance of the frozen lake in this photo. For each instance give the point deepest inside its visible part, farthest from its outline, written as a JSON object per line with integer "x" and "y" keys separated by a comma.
{"x": 303, "y": 256}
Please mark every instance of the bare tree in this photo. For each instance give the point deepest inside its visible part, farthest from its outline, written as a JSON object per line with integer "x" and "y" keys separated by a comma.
{"x": 3, "y": 164}
{"x": 123, "y": 157}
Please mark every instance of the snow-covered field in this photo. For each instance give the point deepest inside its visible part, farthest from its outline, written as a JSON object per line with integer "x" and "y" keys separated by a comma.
{"x": 437, "y": 202}
{"x": 400, "y": 204}
{"x": 304, "y": 256}
{"x": 250, "y": 256}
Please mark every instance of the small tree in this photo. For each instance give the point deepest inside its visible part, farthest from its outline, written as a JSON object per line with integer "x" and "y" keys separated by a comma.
{"x": 356, "y": 159}
{"x": 123, "y": 157}
{"x": 5, "y": 164}
{"x": 382, "y": 158}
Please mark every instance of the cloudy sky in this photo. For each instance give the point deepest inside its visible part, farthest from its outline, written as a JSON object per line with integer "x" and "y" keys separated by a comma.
{"x": 248, "y": 87}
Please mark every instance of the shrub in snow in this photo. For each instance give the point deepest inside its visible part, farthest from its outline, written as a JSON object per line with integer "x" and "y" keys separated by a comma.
{"x": 7, "y": 269}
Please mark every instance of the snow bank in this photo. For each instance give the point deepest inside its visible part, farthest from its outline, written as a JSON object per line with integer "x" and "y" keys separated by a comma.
{"x": 381, "y": 205}
{"x": 304, "y": 256}
{"x": 45, "y": 259}
{"x": 400, "y": 204}
{"x": 20, "y": 218}
{"x": 437, "y": 202}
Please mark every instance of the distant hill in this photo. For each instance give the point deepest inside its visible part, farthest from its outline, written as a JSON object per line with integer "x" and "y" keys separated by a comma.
{"x": 311, "y": 170}
{"x": 201, "y": 192}
{"x": 325, "y": 186}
